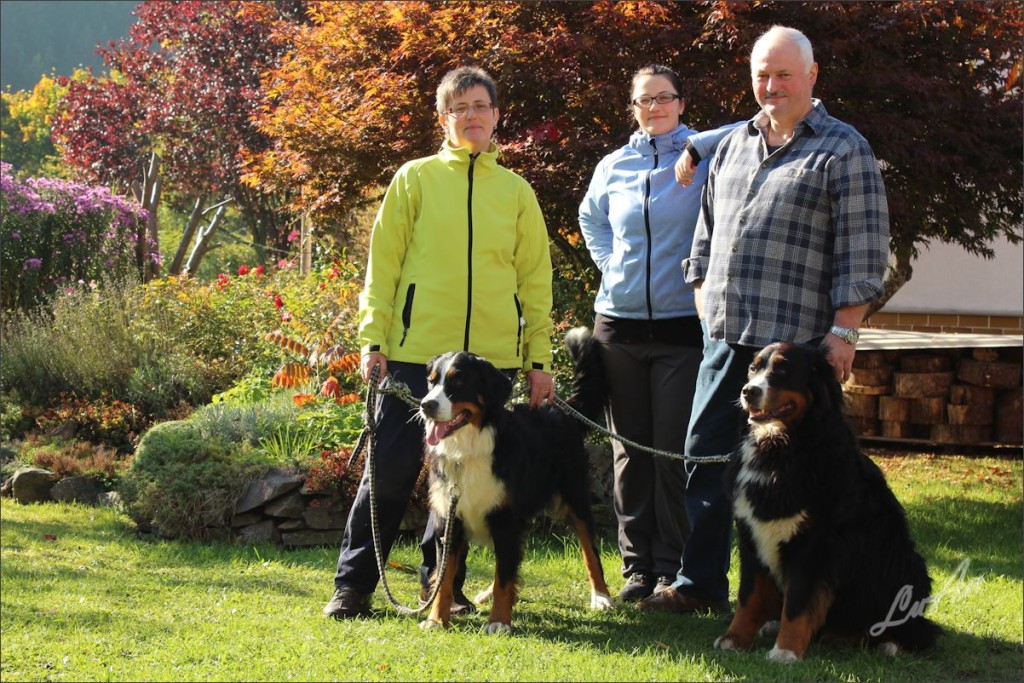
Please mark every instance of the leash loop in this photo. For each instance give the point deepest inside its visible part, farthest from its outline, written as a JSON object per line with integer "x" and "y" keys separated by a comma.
{"x": 368, "y": 440}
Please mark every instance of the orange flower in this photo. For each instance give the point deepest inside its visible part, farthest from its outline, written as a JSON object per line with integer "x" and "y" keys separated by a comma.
{"x": 303, "y": 399}
{"x": 331, "y": 388}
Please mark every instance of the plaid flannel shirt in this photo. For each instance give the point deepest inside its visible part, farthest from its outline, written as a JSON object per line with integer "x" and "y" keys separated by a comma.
{"x": 784, "y": 239}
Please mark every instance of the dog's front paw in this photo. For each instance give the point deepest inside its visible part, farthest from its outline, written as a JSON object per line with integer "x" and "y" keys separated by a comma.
{"x": 725, "y": 643}
{"x": 782, "y": 656}
{"x": 601, "y": 601}
{"x": 430, "y": 623}
{"x": 770, "y": 628}
{"x": 497, "y": 628}
{"x": 889, "y": 649}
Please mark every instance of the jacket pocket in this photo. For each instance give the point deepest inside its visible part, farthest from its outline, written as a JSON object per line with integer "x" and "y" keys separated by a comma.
{"x": 520, "y": 323}
{"x": 407, "y": 312}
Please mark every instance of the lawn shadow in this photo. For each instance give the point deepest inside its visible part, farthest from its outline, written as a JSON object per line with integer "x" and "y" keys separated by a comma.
{"x": 950, "y": 529}
{"x": 685, "y": 639}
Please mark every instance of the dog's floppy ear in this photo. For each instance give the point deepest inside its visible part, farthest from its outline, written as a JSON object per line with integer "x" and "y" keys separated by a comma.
{"x": 433, "y": 365}
{"x": 497, "y": 386}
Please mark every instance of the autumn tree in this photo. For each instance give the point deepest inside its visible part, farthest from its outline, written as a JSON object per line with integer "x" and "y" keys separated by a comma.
{"x": 174, "y": 116}
{"x": 934, "y": 86}
{"x": 26, "y": 117}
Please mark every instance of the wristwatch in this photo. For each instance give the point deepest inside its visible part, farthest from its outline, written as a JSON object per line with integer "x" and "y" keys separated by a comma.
{"x": 850, "y": 335}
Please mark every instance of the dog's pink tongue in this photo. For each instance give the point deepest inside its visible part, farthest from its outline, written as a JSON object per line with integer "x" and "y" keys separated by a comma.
{"x": 435, "y": 433}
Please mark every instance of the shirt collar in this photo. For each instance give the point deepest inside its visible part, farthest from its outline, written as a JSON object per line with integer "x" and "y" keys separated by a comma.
{"x": 814, "y": 120}
{"x": 450, "y": 153}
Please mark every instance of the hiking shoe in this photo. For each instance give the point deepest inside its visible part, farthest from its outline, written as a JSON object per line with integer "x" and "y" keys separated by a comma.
{"x": 663, "y": 583}
{"x": 638, "y": 586}
{"x": 460, "y": 603}
{"x": 671, "y": 600}
{"x": 346, "y": 603}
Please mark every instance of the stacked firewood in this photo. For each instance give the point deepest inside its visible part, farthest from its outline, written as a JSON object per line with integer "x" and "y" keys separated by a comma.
{"x": 958, "y": 396}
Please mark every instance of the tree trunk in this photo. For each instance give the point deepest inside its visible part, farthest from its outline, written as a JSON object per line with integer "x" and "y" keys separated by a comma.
{"x": 147, "y": 193}
{"x": 205, "y": 239}
{"x": 186, "y": 237}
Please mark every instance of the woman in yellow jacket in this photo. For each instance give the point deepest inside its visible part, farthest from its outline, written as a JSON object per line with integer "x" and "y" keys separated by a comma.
{"x": 459, "y": 260}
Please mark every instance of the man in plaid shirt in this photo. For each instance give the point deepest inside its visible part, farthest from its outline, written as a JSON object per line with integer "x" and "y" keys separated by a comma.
{"x": 791, "y": 245}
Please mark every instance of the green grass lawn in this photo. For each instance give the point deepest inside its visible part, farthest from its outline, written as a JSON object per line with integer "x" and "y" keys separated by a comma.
{"x": 84, "y": 598}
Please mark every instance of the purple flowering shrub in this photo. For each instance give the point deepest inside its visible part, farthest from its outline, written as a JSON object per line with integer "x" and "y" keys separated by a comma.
{"x": 58, "y": 234}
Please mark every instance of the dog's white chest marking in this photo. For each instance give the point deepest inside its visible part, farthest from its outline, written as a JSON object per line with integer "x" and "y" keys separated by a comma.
{"x": 768, "y": 534}
{"x": 464, "y": 460}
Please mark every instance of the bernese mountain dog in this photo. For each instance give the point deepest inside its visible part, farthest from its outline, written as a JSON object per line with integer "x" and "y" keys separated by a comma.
{"x": 508, "y": 464}
{"x": 824, "y": 545}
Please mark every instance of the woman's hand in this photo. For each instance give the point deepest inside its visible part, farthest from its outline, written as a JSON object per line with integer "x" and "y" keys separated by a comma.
{"x": 542, "y": 388}
{"x": 685, "y": 168}
{"x": 369, "y": 361}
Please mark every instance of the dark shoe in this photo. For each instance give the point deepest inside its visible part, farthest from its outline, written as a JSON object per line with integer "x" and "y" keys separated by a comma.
{"x": 638, "y": 586}
{"x": 460, "y": 603}
{"x": 671, "y": 600}
{"x": 664, "y": 583}
{"x": 347, "y": 603}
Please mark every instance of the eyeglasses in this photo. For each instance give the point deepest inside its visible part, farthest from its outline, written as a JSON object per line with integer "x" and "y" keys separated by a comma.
{"x": 460, "y": 110}
{"x": 660, "y": 98}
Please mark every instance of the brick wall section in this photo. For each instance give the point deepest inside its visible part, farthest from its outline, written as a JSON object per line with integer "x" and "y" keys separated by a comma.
{"x": 946, "y": 322}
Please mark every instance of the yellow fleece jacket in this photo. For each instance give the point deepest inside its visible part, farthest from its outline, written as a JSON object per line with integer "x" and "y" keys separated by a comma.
{"x": 459, "y": 260}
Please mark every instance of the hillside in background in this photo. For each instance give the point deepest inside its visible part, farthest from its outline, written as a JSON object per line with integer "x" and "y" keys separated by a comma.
{"x": 39, "y": 35}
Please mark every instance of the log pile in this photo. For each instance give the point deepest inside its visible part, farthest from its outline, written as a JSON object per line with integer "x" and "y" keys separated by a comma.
{"x": 954, "y": 396}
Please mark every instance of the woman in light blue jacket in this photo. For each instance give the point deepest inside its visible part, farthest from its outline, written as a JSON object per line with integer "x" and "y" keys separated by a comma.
{"x": 638, "y": 223}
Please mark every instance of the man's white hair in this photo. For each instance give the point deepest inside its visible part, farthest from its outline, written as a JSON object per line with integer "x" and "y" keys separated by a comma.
{"x": 776, "y": 33}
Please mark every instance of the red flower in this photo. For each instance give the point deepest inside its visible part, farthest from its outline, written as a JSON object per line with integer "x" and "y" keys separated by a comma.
{"x": 243, "y": 270}
{"x": 278, "y": 301}
{"x": 258, "y": 270}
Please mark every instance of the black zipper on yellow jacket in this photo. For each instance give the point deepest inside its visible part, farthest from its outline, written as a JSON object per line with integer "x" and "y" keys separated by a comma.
{"x": 469, "y": 254}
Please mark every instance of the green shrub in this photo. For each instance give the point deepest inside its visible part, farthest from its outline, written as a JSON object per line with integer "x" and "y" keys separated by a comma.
{"x": 245, "y": 422}
{"x": 13, "y": 420}
{"x": 81, "y": 341}
{"x": 183, "y": 483}
{"x": 169, "y": 344}
{"x": 289, "y": 435}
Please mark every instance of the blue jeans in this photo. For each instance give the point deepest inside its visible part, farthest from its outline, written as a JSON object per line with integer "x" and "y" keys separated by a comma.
{"x": 716, "y": 424}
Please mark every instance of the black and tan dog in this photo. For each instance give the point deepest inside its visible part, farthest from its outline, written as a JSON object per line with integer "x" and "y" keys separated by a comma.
{"x": 824, "y": 544}
{"x": 508, "y": 465}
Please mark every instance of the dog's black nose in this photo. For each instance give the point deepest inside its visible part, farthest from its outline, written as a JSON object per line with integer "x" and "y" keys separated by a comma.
{"x": 428, "y": 406}
{"x": 751, "y": 393}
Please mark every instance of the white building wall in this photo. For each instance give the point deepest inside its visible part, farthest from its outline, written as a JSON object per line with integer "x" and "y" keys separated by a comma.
{"x": 948, "y": 279}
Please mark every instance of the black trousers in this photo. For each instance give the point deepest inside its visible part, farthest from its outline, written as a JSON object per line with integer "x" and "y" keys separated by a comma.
{"x": 651, "y": 392}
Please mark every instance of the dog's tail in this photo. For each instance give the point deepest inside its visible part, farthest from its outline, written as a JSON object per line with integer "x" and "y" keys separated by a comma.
{"x": 589, "y": 386}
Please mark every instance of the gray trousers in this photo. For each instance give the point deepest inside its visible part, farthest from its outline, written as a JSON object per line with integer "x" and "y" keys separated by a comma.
{"x": 651, "y": 391}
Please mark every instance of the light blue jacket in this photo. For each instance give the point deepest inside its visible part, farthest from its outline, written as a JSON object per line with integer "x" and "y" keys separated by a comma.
{"x": 638, "y": 223}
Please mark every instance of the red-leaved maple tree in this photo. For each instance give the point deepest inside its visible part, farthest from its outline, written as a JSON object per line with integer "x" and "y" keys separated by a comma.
{"x": 934, "y": 86}
{"x": 175, "y": 115}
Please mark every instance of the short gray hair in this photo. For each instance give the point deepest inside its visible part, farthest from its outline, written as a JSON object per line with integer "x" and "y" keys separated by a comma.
{"x": 792, "y": 35}
{"x": 458, "y": 81}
